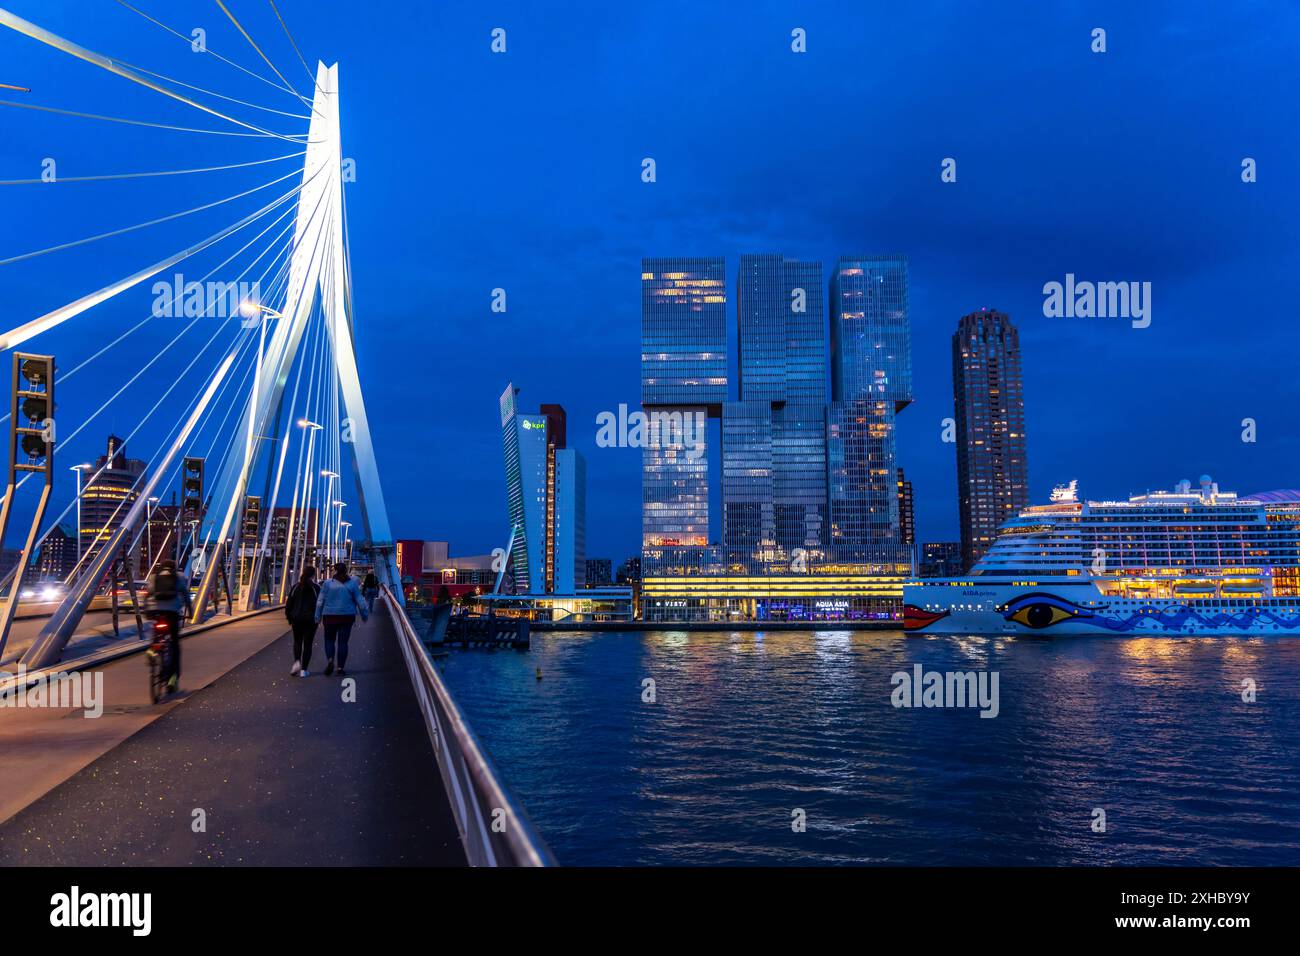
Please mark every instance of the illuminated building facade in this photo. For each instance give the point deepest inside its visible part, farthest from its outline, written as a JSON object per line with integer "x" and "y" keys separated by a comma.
{"x": 568, "y": 539}
{"x": 683, "y": 382}
{"x": 774, "y": 437}
{"x": 988, "y": 394}
{"x": 58, "y": 554}
{"x": 906, "y": 512}
{"x": 783, "y": 450}
{"x": 546, "y": 497}
{"x": 110, "y": 490}
{"x": 871, "y": 382}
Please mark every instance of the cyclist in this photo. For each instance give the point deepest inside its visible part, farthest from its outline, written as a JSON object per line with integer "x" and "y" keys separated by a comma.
{"x": 167, "y": 596}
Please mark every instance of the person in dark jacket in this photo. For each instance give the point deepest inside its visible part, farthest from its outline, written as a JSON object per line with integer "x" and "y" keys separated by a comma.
{"x": 166, "y": 596}
{"x": 370, "y": 590}
{"x": 300, "y": 609}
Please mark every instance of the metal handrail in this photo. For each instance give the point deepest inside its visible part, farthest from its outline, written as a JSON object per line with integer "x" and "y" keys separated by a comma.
{"x": 494, "y": 829}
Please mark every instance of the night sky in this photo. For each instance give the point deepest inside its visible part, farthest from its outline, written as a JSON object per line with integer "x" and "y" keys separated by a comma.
{"x": 522, "y": 171}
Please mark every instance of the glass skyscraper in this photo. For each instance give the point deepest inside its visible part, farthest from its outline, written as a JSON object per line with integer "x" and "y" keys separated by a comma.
{"x": 748, "y": 497}
{"x": 810, "y": 489}
{"x": 546, "y": 498}
{"x": 871, "y": 382}
{"x": 569, "y": 526}
{"x": 774, "y": 437}
{"x": 683, "y": 380}
{"x": 683, "y": 331}
{"x": 988, "y": 395}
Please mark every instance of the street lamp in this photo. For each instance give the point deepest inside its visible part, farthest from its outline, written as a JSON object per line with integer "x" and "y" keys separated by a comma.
{"x": 313, "y": 427}
{"x": 329, "y": 493}
{"x": 148, "y": 532}
{"x": 79, "y": 469}
{"x": 252, "y": 309}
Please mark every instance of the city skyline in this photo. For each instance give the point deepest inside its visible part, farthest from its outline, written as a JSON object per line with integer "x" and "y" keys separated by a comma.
{"x": 1034, "y": 200}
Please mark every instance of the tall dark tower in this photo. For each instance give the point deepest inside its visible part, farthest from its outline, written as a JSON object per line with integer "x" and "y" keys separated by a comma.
{"x": 988, "y": 394}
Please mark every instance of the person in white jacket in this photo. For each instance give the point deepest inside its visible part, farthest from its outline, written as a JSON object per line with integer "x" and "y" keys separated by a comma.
{"x": 337, "y": 608}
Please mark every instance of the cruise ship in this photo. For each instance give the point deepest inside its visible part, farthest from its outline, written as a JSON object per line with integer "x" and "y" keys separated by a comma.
{"x": 1191, "y": 561}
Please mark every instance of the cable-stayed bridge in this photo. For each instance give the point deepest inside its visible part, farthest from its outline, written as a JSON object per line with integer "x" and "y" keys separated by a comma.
{"x": 251, "y": 415}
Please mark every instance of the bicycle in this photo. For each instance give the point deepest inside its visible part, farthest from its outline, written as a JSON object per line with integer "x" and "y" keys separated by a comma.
{"x": 159, "y": 656}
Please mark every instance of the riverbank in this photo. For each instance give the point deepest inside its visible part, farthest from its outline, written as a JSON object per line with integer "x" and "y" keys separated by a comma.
{"x": 717, "y": 626}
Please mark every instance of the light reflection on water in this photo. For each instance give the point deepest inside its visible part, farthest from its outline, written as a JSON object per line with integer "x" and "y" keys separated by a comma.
{"x": 746, "y": 727}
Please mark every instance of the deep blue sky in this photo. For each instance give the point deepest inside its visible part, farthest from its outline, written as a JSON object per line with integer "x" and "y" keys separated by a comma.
{"x": 522, "y": 171}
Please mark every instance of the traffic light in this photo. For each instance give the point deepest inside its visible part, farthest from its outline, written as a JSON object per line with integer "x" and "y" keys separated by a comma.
{"x": 32, "y": 424}
{"x": 252, "y": 522}
{"x": 191, "y": 490}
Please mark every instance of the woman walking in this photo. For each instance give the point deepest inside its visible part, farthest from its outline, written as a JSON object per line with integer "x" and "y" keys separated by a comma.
{"x": 337, "y": 608}
{"x": 370, "y": 588}
{"x": 300, "y": 609}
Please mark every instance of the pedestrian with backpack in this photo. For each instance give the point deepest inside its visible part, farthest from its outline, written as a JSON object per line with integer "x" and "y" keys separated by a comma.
{"x": 300, "y": 609}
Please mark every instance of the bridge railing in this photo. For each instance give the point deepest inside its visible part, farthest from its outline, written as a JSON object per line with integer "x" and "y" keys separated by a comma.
{"x": 494, "y": 829}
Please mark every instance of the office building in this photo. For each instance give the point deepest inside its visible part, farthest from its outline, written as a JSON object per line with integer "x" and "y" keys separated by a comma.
{"x": 811, "y": 521}
{"x": 57, "y": 556}
{"x": 683, "y": 383}
{"x": 546, "y": 494}
{"x": 774, "y": 436}
{"x": 988, "y": 395}
{"x": 941, "y": 559}
{"x": 906, "y": 513}
{"x": 600, "y": 572}
{"x": 111, "y": 487}
{"x": 871, "y": 382}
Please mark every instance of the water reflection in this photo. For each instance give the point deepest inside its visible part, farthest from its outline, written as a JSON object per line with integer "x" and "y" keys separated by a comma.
{"x": 745, "y": 728}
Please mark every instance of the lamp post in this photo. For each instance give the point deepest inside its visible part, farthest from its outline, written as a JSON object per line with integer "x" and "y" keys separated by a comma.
{"x": 329, "y": 496}
{"x": 148, "y": 533}
{"x": 79, "y": 469}
{"x": 313, "y": 428}
{"x": 337, "y": 526}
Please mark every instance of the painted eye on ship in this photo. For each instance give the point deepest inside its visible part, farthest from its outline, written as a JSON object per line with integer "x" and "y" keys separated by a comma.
{"x": 1039, "y": 611}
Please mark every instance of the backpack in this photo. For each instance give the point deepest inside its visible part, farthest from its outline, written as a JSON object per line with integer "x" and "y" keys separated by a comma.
{"x": 166, "y": 585}
{"x": 302, "y": 591}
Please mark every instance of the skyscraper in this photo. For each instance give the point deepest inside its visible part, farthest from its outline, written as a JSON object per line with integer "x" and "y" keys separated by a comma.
{"x": 108, "y": 495}
{"x": 546, "y": 498}
{"x": 988, "y": 394}
{"x": 906, "y": 515}
{"x": 568, "y": 552}
{"x": 774, "y": 437}
{"x": 871, "y": 382}
{"x": 683, "y": 380}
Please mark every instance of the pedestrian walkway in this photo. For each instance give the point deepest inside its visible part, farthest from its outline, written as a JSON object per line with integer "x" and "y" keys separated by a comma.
{"x": 250, "y": 766}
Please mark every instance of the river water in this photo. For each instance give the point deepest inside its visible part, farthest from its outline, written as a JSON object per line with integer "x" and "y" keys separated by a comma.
{"x": 786, "y": 748}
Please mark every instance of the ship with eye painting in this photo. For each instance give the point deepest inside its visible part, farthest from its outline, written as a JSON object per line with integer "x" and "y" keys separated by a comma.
{"x": 1192, "y": 561}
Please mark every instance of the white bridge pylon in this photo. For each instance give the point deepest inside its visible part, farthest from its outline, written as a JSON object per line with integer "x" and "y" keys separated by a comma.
{"x": 318, "y": 263}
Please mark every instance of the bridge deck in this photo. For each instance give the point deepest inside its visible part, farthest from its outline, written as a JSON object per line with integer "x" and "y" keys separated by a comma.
{"x": 285, "y": 771}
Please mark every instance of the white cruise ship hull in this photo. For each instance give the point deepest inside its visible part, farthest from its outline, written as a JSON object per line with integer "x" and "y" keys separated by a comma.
{"x": 1076, "y": 606}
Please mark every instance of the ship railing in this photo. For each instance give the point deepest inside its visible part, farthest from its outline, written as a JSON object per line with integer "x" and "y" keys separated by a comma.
{"x": 494, "y": 829}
